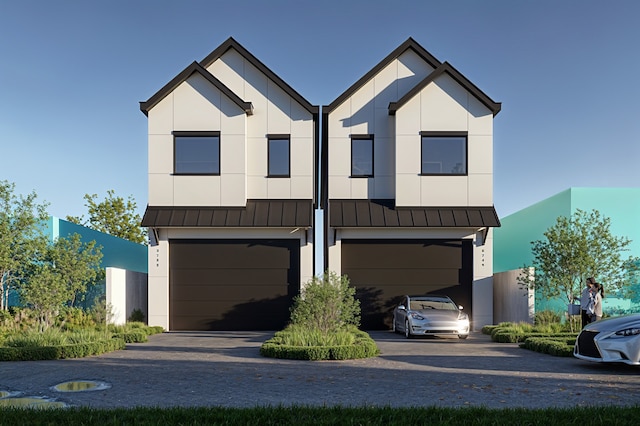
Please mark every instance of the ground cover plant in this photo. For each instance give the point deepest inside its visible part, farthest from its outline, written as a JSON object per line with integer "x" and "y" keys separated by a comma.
{"x": 75, "y": 334}
{"x": 324, "y": 324}
{"x": 545, "y": 336}
{"x": 608, "y": 415}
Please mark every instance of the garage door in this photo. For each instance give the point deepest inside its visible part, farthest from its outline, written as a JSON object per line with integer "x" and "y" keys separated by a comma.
{"x": 232, "y": 284}
{"x": 384, "y": 270}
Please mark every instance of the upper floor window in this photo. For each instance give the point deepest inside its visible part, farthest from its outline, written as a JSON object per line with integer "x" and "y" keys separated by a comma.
{"x": 196, "y": 153}
{"x": 444, "y": 153}
{"x": 361, "y": 155}
{"x": 279, "y": 158}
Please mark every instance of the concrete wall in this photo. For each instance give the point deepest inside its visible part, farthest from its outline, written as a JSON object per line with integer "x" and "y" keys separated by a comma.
{"x": 126, "y": 291}
{"x": 512, "y": 302}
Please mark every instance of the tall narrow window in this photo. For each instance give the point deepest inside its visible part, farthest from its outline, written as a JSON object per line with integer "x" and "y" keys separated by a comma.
{"x": 444, "y": 153}
{"x": 196, "y": 153}
{"x": 279, "y": 161}
{"x": 361, "y": 155}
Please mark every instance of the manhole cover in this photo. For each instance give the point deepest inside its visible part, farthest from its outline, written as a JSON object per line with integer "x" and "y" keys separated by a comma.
{"x": 81, "y": 386}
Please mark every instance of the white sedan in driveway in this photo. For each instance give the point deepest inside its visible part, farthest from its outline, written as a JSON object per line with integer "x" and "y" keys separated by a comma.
{"x": 614, "y": 339}
{"x": 429, "y": 316}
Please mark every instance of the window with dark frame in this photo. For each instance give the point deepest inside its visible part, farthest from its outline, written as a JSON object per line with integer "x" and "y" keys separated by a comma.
{"x": 279, "y": 155}
{"x": 361, "y": 155}
{"x": 443, "y": 153}
{"x": 196, "y": 153}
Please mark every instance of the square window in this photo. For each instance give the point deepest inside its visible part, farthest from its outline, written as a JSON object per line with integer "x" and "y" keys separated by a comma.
{"x": 196, "y": 153}
{"x": 444, "y": 154}
{"x": 279, "y": 162}
{"x": 362, "y": 156}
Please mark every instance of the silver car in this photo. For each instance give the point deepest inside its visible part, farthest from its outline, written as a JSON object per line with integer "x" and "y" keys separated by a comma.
{"x": 429, "y": 316}
{"x": 610, "y": 340}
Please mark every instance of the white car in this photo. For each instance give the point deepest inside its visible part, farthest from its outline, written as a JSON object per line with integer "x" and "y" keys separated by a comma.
{"x": 610, "y": 340}
{"x": 429, "y": 316}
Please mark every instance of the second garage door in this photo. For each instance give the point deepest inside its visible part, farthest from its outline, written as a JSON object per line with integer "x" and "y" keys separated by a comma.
{"x": 384, "y": 270}
{"x": 232, "y": 284}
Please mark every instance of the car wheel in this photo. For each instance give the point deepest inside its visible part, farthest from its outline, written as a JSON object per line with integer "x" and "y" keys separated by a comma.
{"x": 407, "y": 330}
{"x": 462, "y": 336}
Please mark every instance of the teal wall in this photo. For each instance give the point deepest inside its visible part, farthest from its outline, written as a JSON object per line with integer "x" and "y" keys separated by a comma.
{"x": 512, "y": 241}
{"x": 116, "y": 252}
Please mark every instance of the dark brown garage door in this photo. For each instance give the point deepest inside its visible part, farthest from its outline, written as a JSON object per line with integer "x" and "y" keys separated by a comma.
{"x": 232, "y": 284}
{"x": 384, "y": 270}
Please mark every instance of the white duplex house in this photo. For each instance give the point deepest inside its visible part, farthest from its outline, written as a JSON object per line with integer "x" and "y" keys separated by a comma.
{"x": 232, "y": 192}
{"x": 407, "y": 185}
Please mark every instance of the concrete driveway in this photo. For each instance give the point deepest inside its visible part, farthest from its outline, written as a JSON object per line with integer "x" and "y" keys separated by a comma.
{"x": 225, "y": 369}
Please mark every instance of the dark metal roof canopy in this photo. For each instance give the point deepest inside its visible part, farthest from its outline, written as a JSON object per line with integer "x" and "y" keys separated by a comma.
{"x": 384, "y": 214}
{"x": 257, "y": 213}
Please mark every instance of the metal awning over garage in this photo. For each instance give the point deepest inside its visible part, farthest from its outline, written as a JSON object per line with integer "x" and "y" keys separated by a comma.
{"x": 257, "y": 213}
{"x": 384, "y": 213}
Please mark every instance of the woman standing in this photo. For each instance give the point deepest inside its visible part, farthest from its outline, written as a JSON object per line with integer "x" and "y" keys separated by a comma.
{"x": 598, "y": 296}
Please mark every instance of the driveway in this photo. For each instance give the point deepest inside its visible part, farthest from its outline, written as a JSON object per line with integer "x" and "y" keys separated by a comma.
{"x": 225, "y": 369}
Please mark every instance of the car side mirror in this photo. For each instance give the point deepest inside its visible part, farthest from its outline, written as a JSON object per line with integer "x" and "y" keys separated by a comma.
{"x": 460, "y": 307}
{"x": 402, "y": 308}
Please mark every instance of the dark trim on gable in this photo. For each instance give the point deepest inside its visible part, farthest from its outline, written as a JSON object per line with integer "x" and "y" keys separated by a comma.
{"x": 257, "y": 213}
{"x": 145, "y": 107}
{"x": 384, "y": 214}
{"x": 230, "y": 43}
{"x": 410, "y": 43}
{"x": 447, "y": 68}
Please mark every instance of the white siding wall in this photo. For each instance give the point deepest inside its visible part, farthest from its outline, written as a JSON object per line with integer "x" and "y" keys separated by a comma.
{"x": 274, "y": 113}
{"x": 444, "y": 105}
{"x": 366, "y": 112}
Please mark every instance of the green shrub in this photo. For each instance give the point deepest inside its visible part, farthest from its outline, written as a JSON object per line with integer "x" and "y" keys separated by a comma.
{"x": 326, "y": 303}
{"x": 33, "y": 339}
{"x": 280, "y": 346}
{"x": 546, "y": 317}
{"x": 80, "y": 350}
{"x": 70, "y": 318}
{"x": 561, "y": 346}
{"x": 136, "y": 316}
{"x": 133, "y": 336}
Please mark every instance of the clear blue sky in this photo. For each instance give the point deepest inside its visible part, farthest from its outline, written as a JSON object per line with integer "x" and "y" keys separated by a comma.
{"x": 72, "y": 74}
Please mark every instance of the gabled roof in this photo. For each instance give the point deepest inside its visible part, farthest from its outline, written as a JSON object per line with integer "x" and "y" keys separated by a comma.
{"x": 384, "y": 214}
{"x": 257, "y": 213}
{"x": 195, "y": 67}
{"x": 409, "y": 44}
{"x": 447, "y": 68}
{"x": 232, "y": 44}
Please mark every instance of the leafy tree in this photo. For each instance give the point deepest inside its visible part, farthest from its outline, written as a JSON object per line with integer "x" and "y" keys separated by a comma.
{"x": 114, "y": 216}
{"x": 574, "y": 249}
{"x": 21, "y": 236}
{"x": 326, "y": 304}
{"x": 63, "y": 270}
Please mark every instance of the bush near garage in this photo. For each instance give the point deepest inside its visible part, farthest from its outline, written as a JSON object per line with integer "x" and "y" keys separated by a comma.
{"x": 77, "y": 350}
{"x": 549, "y": 338}
{"x": 324, "y": 324}
{"x": 56, "y": 343}
{"x": 556, "y": 346}
{"x": 292, "y": 343}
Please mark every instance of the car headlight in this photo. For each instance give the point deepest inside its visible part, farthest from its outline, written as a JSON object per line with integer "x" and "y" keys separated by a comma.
{"x": 417, "y": 316}
{"x": 462, "y": 316}
{"x": 628, "y": 332}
